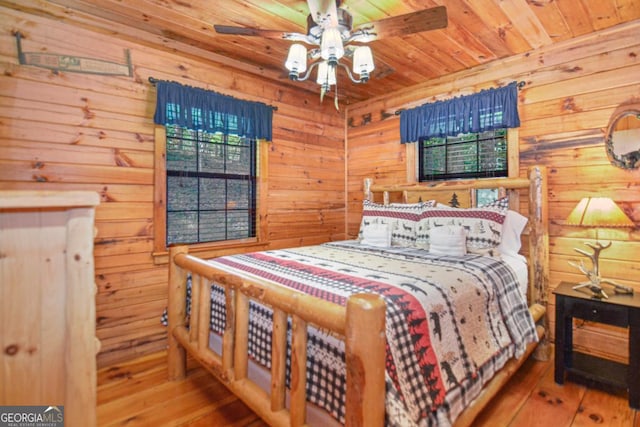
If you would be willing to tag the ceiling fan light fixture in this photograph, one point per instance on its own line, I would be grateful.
(296, 61)
(326, 75)
(363, 62)
(330, 31)
(331, 47)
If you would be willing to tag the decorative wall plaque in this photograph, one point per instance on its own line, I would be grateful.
(74, 64)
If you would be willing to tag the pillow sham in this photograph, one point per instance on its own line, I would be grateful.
(483, 225)
(448, 240)
(512, 228)
(401, 219)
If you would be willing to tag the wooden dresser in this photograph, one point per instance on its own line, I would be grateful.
(47, 302)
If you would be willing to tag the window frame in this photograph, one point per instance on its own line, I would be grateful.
(450, 148)
(513, 158)
(208, 249)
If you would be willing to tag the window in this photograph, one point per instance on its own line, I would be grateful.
(472, 155)
(470, 136)
(211, 186)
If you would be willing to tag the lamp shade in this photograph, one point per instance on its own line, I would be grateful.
(363, 60)
(598, 212)
(331, 47)
(326, 74)
(297, 58)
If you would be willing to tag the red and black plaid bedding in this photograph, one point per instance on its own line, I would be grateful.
(451, 322)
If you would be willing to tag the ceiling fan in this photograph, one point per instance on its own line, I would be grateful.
(330, 29)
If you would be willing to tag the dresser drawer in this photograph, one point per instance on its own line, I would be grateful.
(598, 312)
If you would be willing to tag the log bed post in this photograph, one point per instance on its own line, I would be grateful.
(539, 249)
(367, 189)
(176, 354)
(365, 346)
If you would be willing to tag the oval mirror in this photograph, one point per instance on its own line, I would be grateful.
(623, 137)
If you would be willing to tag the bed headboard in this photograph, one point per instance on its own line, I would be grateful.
(532, 190)
(445, 192)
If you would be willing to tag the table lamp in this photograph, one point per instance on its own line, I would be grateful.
(598, 212)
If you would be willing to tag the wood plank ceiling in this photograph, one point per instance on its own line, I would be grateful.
(478, 31)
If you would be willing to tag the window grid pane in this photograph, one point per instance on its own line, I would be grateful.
(211, 186)
(475, 155)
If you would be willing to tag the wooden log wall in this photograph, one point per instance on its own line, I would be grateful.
(72, 131)
(571, 91)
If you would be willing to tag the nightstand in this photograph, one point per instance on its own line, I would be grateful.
(617, 310)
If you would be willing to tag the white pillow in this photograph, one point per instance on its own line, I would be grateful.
(376, 235)
(448, 240)
(512, 227)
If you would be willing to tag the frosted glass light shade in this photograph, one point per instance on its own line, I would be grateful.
(331, 45)
(363, 60)
(297, 58)
(598, 212)
(326, 74)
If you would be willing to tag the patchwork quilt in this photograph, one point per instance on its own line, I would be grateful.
(451, 322)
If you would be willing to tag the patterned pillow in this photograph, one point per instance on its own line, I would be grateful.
(501, 203)
(483, 225)
(401, 219)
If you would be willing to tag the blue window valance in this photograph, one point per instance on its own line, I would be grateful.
(487, 110)
(201, 109)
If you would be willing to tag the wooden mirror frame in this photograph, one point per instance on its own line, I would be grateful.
(630, 160)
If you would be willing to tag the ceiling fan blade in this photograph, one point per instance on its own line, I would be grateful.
(241, 31)
(324, 12)
(409, 23)
(269, 34)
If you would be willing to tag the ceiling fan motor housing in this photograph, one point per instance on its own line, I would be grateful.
(345, 24)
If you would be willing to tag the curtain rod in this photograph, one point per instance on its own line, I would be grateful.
(520, 85)
(153, 82)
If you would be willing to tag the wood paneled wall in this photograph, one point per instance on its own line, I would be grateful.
(571, 91)
(71, 131)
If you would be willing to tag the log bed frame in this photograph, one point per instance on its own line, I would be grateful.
(361, 322)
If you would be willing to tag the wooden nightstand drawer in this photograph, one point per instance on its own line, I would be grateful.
(597, 312)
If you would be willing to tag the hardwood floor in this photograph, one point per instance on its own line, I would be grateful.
(137, 394)
(532, 398)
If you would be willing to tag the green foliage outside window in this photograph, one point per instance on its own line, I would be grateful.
(211, 186)
(474, 155)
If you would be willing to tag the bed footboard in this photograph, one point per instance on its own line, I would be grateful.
(361, 322)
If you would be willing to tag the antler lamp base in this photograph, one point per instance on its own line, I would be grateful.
(595, 281)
